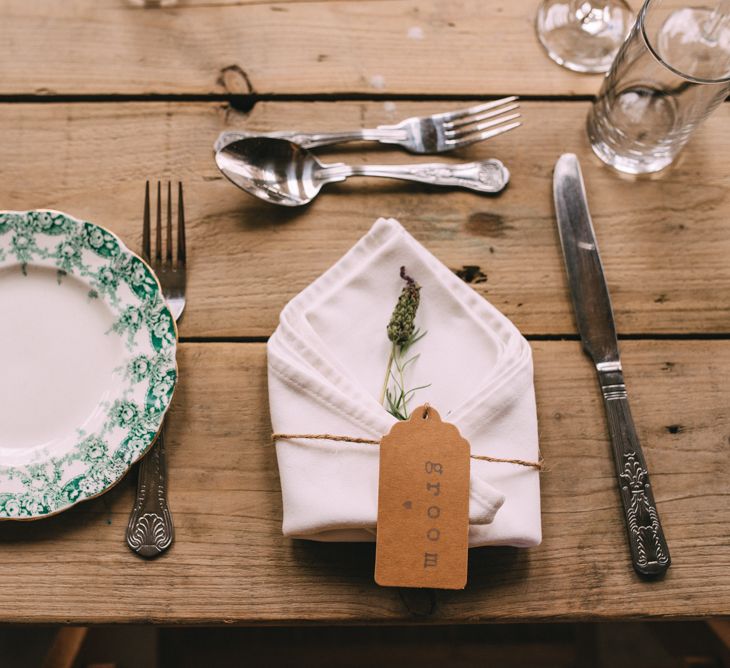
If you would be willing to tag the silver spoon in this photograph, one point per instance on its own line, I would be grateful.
(281, 172)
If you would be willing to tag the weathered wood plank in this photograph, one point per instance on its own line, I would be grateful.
(371, 46)
(665, 243)
(231, 565)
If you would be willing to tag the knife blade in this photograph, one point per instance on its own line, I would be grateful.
(594, 317)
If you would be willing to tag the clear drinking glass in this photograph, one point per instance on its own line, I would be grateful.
(670, 74)
(583, 35)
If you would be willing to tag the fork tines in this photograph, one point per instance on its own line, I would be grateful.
(158, 259)
(480, 122)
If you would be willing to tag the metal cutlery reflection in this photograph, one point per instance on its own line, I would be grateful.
(282, 172)
(594, 315)
(150, 530)
(420, 134)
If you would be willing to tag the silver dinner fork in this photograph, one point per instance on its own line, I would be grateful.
(150, 531)
(421, 134)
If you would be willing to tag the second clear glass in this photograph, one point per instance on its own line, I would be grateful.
(672, 71)
(583, 35)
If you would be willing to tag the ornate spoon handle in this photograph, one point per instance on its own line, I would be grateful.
(150, 531)
(486, 176)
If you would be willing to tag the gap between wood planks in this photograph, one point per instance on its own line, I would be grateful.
(685, 336)
(246, 102)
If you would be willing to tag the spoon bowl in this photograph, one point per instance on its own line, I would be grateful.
(276, 170)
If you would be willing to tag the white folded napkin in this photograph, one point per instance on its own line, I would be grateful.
(327, 362)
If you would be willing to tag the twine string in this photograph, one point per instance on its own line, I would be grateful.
(538, 465)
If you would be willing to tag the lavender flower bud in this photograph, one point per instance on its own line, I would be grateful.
(401, 325)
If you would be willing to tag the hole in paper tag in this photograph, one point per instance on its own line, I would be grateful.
(423, 504)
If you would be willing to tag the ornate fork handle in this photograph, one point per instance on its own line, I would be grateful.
(649, 551)
(487, 176)
(150, 531)
(384, 134)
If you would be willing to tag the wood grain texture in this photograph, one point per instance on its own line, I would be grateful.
(231, 565)
(340, 46)
(665, 243)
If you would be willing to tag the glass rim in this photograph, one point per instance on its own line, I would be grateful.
(642, 24)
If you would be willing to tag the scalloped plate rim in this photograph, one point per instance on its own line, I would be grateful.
(128, 251)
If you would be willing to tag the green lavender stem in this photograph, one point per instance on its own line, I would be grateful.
(387, 373)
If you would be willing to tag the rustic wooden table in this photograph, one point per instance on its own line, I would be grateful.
(96, 96)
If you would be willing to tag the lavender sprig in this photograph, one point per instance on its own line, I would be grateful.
(402, 333)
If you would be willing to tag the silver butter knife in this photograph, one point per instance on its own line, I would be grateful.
(594, 316)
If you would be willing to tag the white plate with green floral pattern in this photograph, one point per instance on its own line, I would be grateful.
(87, 361)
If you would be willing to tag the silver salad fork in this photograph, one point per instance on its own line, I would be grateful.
(421, 134)
(150, 531)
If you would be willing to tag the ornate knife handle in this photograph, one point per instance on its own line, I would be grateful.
(649, 551)
(150, 530)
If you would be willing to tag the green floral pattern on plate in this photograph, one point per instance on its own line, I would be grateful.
(131, 419)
